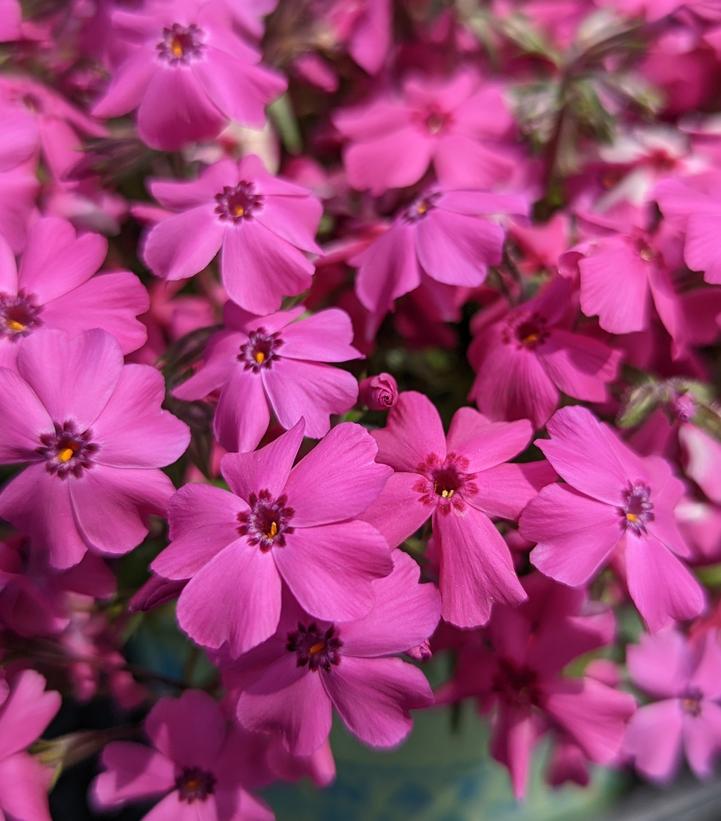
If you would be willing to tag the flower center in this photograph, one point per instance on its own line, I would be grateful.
(19, 314)
(181, 44)
(525, 331)
(317, 649)
(691, 703)
(516, 685)
(194, 784)
(239, 202)
(443, 483)
(267, 522)
(434, 119)
(420, 207)
(260, 351)
(67, 451)
(637, 509)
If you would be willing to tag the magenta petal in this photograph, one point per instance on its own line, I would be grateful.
(292, 218)
(8, 269)
(387, 269)
(505, 490)
(486, 444)
(374, 697)
(338, 479)
(515, 734)
(329, 569)
(53, 362)
(234, 598)
(413, 431)
(476, 568)
(39, 505)
(26, 712)
(127, 86)
(189, 730)
(660, 664)
(264, 469)
(219, 364)
(396, 159)
(24, 785)
(654, 737)
(707, 675)
(133, 431)
(181, 245)
(405, 613)
(398, 512)
(323, 337)
(701, 252)
(23, 419)
(242, 415)
(578, 365)
(111, 505)
(310, 391)
(702, 738)
(575, 535)
(203, 520)
(663, 589)
(133, 772)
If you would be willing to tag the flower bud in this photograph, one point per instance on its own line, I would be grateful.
(378, 392)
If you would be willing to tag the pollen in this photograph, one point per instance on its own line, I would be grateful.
(238, 211)
(66, 454)
(259, 357)
(318, 647)
(422, 207)
(273, 531)
(631, 517)
(176, 48)
(15, 326)
(446, 494)
(531, 339)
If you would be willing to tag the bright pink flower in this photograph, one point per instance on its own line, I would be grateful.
(192, 767)
(54, 287)
(274, 363)
(186, 72)
(261, 225)
(684, 678)
(94, 435)
(444, 235)
(525, 361)
(11, 18)
(26, 709)
(456, 124)
(461, 482)
(693, 203)
(615, 500)
(279, 525)
(518, 669)
(291, 683)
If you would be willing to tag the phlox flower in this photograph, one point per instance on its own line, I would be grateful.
(54, 287)
(683, 677)
(443, 235)
(26, 709)
(191, 768)
(461, 482)
(275, 363)
(186, 72)
(291, 684)
(260, 224)
(278, 525)
(527, 359)
(93, 436)
(614, 502)
(456, 124)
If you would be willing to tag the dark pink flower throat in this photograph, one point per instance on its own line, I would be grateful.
(238, 202)
(194, 784)
(260, 351)
(444, 483)
(266, 524)
(317, 649)
(67, 451)
(181, 44)
(19, 315)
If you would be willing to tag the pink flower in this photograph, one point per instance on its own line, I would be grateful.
(291, 684)
(444, 235)
(456, 124)
(615, 500)
(275, 363)
(684, 678)
(54, 287)
(524, 361)
(693, 204)
(26, 709)
(11, 18)
(517, 668)
(379, 392)
(260, 224)
(460, 482)
(18, 191)
(186, 72)
(192, 766)
(94, 435)
(279, 526)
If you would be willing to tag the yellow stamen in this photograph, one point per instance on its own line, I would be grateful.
(422, 207)
(176, 47)
(531, 339)
(446, 494)
(66, 454)
(238, 211)
(631, 517)
(319, 647)
(14, 325)
(259, 357)
(273, 529)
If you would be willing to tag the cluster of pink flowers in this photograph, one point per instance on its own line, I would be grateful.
(343, 335)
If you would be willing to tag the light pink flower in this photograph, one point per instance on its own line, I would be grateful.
(457, 124)
(527, 359)
(461, 482)
(53, 287)
(186, 72)
(275, 363)
(444, 234)
(278, 526)
(26, 709)
(191, 768)
(291, 683)
(260, 224)
(614, 501)
(684, 678)
(94, 436)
